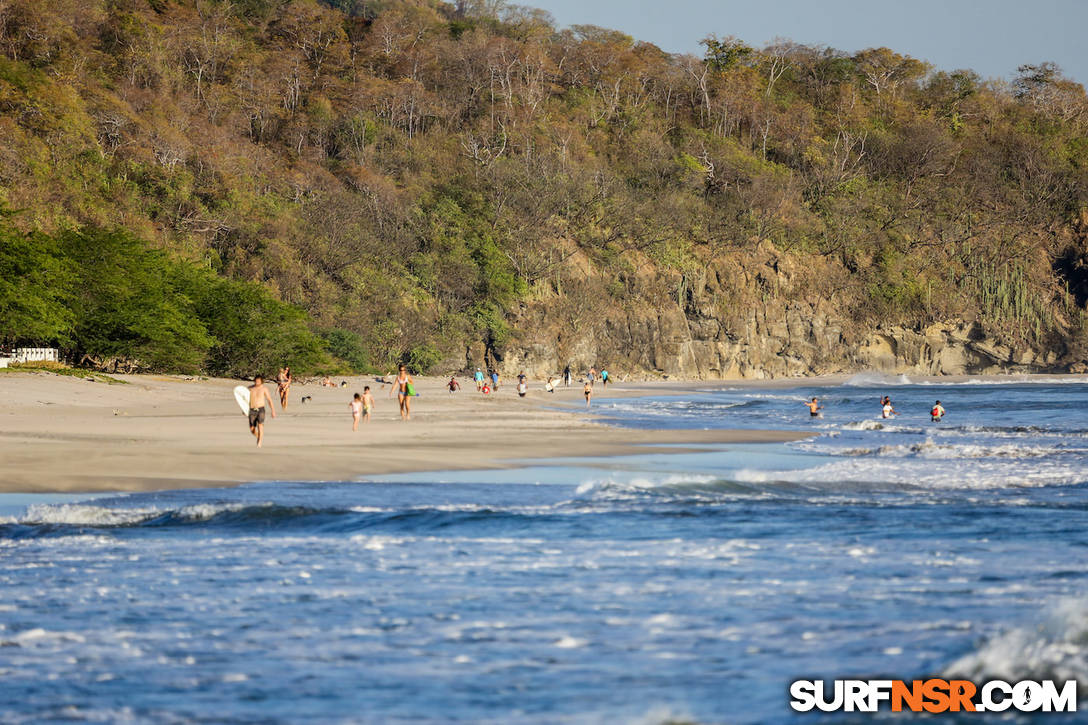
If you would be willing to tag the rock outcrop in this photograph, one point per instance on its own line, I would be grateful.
(748, 326)
(788, 342)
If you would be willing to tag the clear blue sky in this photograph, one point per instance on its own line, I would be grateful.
(991, 37)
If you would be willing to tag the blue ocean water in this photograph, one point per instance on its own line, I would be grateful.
(659, 588)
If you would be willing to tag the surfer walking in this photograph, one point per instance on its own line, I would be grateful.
(405, 387)
(258, 396)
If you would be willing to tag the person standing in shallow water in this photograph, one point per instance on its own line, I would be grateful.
(404, 385)
(937, 413)
(258, 396)
(814, 408)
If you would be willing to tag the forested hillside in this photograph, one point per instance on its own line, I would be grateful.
(367, 182)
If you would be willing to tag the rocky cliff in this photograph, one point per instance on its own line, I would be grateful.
(750, 323)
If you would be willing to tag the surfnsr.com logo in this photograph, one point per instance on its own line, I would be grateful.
(933, 695)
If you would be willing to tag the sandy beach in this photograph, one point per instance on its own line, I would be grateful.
(158, 432)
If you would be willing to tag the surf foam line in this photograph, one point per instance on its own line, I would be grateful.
(921, 474)
(941, 450)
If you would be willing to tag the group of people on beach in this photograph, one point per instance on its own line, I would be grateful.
(886, 409)
(490, 382)
(362, 404)
(262, 404)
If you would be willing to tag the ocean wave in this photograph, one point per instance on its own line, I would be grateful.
(108, 517)
(645, 484)
(888, 425)
(942, 451)
(877, 474)
(52, 520)
(671, 408)
(676, 489)
(1055, 648)
(875, 380)
(1011, 380)
(864, 425)
(687, 489)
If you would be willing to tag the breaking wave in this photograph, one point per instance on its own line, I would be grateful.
(1055, 648)
(67, 519)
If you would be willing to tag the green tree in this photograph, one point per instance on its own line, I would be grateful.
(252, 331)
(128, 313)
(35, 284)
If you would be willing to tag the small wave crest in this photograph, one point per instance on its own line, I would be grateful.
(677, 488)
(875, 380)
(864, 425)
(941, 451)
(889, 474)
(107, 517)
(50, 520)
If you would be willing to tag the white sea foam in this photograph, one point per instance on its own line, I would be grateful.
(923, 474)
(86, 515)
(875, 380)
(865, 425)
(39, 636)
(76, 514)
(1012, 380)
(1054, 648)
(939, 450)
(620, 486)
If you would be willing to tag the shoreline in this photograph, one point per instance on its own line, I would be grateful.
(63, 434)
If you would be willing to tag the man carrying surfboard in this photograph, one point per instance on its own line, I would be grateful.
(258, 396)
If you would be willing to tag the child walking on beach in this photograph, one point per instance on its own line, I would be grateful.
(368, 404)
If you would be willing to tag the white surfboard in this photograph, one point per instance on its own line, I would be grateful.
(241, 396)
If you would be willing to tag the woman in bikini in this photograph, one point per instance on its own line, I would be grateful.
(403, 385)
(283, 381)
(588, 392)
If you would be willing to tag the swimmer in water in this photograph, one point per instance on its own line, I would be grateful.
(888, 411)
(814, 408)
(937, 413)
